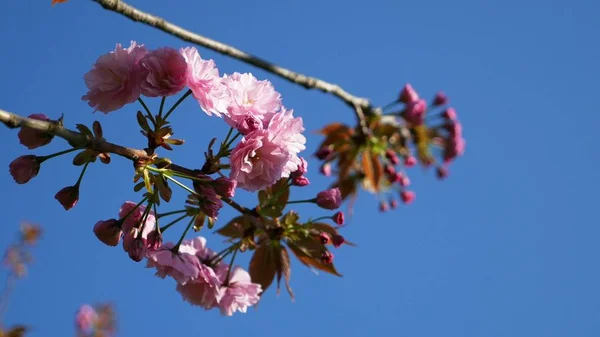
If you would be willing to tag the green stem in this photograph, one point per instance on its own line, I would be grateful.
(156, 217)
(144, 105)
(230, 266)
(301, 201)
(180, 184)
(81, 174)
(227, 138)
(165, 227)
(232, 140)
(187, 93)
(162, 105)
(171, 213)
(133, 209)
(390, 104)
(41, 159)
(176, 248)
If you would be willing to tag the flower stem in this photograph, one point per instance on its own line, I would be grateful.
(390, 105)
(41, 159)
(165, 227)
(301, 201)
(187, 93)
(180, 184)
(144, 105)
(81, 174)
(156, 217)
(230, 266)
(171, 213)
(162, 105)
(232, 140)
(133, 209)
(176, 248)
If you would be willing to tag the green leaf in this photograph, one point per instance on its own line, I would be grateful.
(83, 157)
(290, 218)
(142, 121)
(273, 199)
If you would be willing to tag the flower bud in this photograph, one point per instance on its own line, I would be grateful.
(449, 113)
(327, 257)
(338, 240)
(393, 203)
(249, 124)
(225, 187)
(128, 238)
(108, 232)
(302, 168)
(441, 172)
(408, 94)
(390, 171)
(392, 157)
(326, 169)
(137, 250)
(383, 207)
(323, 152)
(410, 161)
(210, 203)
(329, 199)
(407, 196)
(32, 138)
(415, 112)
(68, 197)
(338, 218)
(155, 240)
(24, 168)
(440, 99)
(300, 181)
(404, 181)
(324, 238)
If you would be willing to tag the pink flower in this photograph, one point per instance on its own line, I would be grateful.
(250, 96)
(324, 238)
(33, 138)
(440, 99)
(300, 181)
(288, 131)
(329, 199)
(181, 266)
(108, 232)
(225, 187)
(450, 114)
(408, 94)
(414, 113)
(259, 160)
(115, 78)
(204, 81)
(407, 196)
(393, 204)
(85, 318)
(239, 292)
(383, 206)
(135, 217)
(410, 161)
(164, 72)
(24, 168)
(68, 197)
(338, 218)
(325, 169)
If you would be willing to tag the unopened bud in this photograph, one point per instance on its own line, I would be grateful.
(338, 240)
(323, 152)
(408, 94)
(326, 169)
(327, 257)
(440, 99)
(338, 218)
(300, 181)
(329, 199)
(68, 197)
(324, 238)
(407, 196)
(441, 172)
(392, 157)
(410, 161)
(108, 232)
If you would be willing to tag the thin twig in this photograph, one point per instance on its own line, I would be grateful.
(189, 36)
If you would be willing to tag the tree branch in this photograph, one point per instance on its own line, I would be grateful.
(360, 105)
(77, 139)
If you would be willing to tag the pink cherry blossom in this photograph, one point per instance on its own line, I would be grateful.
(24, 168)
(181, 265)
(239, 292)
(204, 81)
(164, 72)
(288, 131)
(32, 138)
(250, 97)
(259, 160)
(415, 112)
(85, 318)
(408, 94)
(135, 217)
(115, 78)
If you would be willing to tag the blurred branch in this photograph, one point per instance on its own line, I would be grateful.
(361, 106)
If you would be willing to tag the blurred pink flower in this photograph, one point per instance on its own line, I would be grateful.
(440, 99)
(204, 81)
(259, 160)
(239, 292)
(85, 318)
(115, 78)
(408, 94)
(414, 113)
(164, 72)
(407, 196)
(32, 138)
(24, 168)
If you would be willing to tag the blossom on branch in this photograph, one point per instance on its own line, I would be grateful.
(164, 72)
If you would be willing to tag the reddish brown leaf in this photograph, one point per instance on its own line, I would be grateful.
(284, 267)
(97, 129)
(104, 157)
(372, 169)
(237, 227)
(274, 198)
(323, 227)
(262, 265)
(54, 2)
(309, 252)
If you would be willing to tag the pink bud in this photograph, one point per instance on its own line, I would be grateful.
(404, 181)
(338, 218)
(329, 199)
(300, 181)
(68, 197)
(323, 152)
(324, 238)
(383, 206)
(137, 250)
(414, 113)
(440, 99)
(407, 196)
(389, 170)
(410, 161)
(338, 240)
(108, 232)
(327, 257)
(249, 124)
(392, 157)
(128, 238)
(32, 138)
(393, 203)
(24, 168)
(326, 169)
(449, 113)
(155, 240)
(225, 187)
(408, 94)
(210, 203)
(302, 168)
(441, 172)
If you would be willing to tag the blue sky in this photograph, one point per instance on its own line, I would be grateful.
(507, 246)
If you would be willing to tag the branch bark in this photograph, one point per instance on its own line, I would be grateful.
(361, 106)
